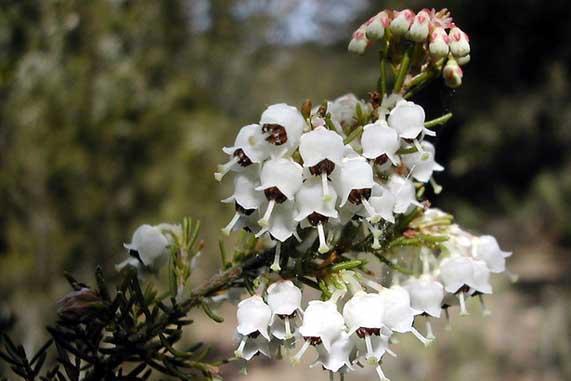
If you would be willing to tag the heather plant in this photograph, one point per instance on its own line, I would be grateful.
(320, 194)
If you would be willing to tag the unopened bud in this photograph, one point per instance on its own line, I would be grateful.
(459, 42)
(402, 22)
(359, 42)
(306, 108)
(77, 304)
(419, 29)
(452, 73)
(375, 27)
(463, 60)
(438, 43)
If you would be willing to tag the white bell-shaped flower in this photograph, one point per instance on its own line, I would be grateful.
(380, 346)
(322, 324)
(150, 244)
(486, 248)
(284, 299)
(245, 197)
(399, 315)
(407, 118)
(280, 180)
(420, 27)
(458, 42)
(281, 226)
(456, 272)
(426, 295)
(317, 210)
(321, 150)
(337, 357)
(355, 182)
(342, 111)
(249, 147)
(283, 125)
(380, 143)
(383, 203)
(253, 320)
(363, 315)
(421, 163)
(404, 192)
(402, 22)
(463, 275)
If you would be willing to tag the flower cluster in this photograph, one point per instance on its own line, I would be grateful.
(356, 325)
(437, 37)
(293, 172)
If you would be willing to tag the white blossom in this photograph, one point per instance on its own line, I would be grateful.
(150, 244)
(284, 299)
(282, 125)
(253, 321)
(422, 164)
(487, 249)
(380, 142)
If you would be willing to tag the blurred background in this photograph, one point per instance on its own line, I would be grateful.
(113, 113)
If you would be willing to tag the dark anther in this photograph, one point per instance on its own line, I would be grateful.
(324, 166)
(357, 195)
(243, 211)
(381, 159)
(362, 332)
(315, 218)
(253, 335)
(375, 98)
(291, 316)
(273, 193)
(278, 134)
(313, 340)
(243, 160)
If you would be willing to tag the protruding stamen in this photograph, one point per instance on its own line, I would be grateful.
(448, 320)
(295, 359)
(371, 359)
(382, 376)
(228, 228)
(435, 186)
(261, 232)
(297, 237)
(239, 352)
(376, 233)
(421, 338)
(390, 352)
(325, 185)
(513, 277)
(323, 248)
(429, 332)
(225, 168)
(265, 220)
(420, 150)
(461, 299)
(485, 310)
(331, 376)
(276, 265)
(373, 216)
(288, 334)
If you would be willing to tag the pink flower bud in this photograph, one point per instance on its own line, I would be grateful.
(402, 22)
(452, 73)
(375, 27)
(359, 42)
(459, 42)
(438, 43)
(419, 29)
